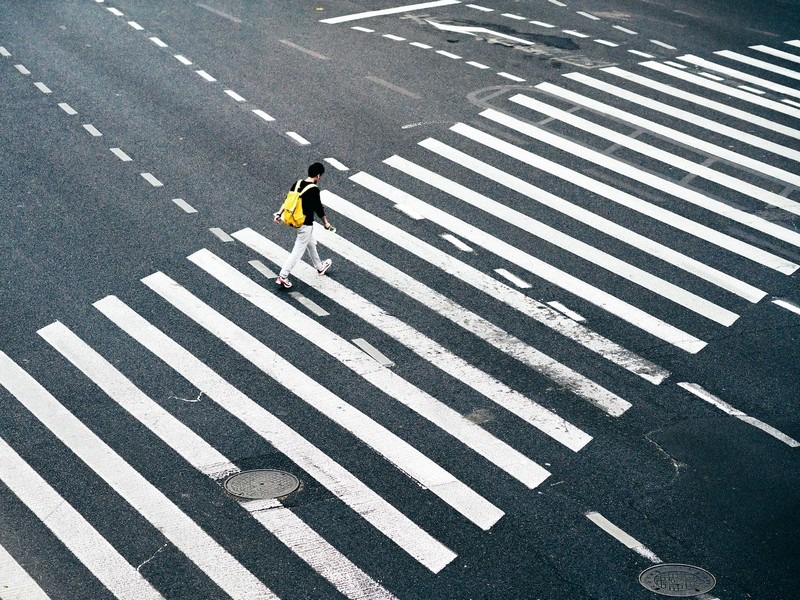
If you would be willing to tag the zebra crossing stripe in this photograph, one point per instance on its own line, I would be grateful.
(483, 329)
(167, 518)
(759, 64)
(778, 53)
(428, 473)
(705, 102)
(652, 152)
(698, 121)
(428, 349)
(290, 530)
(740, 75)
(66, 523)
(721, 88)
(390, 446)
(592, 220)
(340, 482)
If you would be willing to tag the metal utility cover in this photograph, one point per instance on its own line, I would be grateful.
(676, 580)
(261, 484)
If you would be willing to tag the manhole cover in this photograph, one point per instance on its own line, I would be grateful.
(678, 581)
(260, 484)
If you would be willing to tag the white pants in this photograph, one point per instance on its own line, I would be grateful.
(304, 241)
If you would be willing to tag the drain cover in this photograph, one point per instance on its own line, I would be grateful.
(678, 581)
(260, 484)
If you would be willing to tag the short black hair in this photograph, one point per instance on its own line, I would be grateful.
(316, 169)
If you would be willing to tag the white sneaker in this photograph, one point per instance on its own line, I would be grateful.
(326, 264)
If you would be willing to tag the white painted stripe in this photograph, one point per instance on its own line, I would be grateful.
(712, 76)
(257, 264)
(577, 34)
(421, 45)
(426, 348)
(740, 75)
(698, 121)
(750, 89)
(622, 537)
(234, 95)
(341, 483)
(336, 164)
(759, 64)
(135, 25)
(201, 455)
(511, 77)
(220, 13)
(16, 583)
(440, 482)
(158, 42)
(541, 269)
(624, 30)
(791, 102)
(520, 283)
(409, 212)
(43, 88)
(396, 38)
(4, 51)
(570, 313)
(92, 129)
(795, 43)
(67, 108)
(153, 505)
(587, 15)
(721, 208)
(221, 234)
(787, 305)
(557, 2)
(115, 11)
(184, 205)
(448, 54)
(298, 138)
(364, 29)
(540, 24)
(481, 8)
(183, 59)
(722, 89)
(120, 154)
(310, 304)
(478, 65)
(151, 179)
(205, 75)
(670, 63)
(663, 45)
(456, 242)
(66, 524)
(775, 52)
(640, 53)
(735, 412)
(607, 43)
(492, 334)
(512, 16)
(389, 11)
(263, 115)
(373, 352)
(395, 450)
(652, 152)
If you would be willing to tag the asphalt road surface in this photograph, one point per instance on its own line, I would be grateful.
(558, 344)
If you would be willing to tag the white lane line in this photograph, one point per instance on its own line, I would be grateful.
(151, 179)
(723, 89)
(304, 50)
(17, 584)
(671, 63)
(541, 24)
(373, 352)
(663, 45)
(92, 130)
(298, 138)
(791, 102)
(412, 462)
(191, 447)
(115, 11)
(518, 282)
(448, 54)
(335, 164)
(219, 13)
(698, 121)
(310, 304)
(483, 329)
(587, 15)
(340, 482)
(624, 30)
(184, 205)
(759, 64)
(205, 75)
(391, 86)
(740, 75)
(712, 76)
(257, 264)
(607, 43)
(513, 16)
(364, 29)
(421, 45)
(511, 77)
(263, 115)
(775, 52)
(772, 229)
(728, 282)
(4, 51)
(396, 38)
(389, 11)
(456, 242)
(67, 108)
(640, 53)
(234, 95)
(788, 305)
(146, 499)
(43, 88)
(182, 59)
(626, 540)
(66, 524)
(219, 233)
(22, 69)
(570, 313)
(408, 211)
(426, 348)
(577, 34)
(477, 65)
(120, 154)
(158, 42)
(557, 2)
(135, 25)
(751, 90)
(735, 412)
(480, 8)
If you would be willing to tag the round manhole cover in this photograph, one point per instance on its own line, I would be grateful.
(678, 581)
(260, 484)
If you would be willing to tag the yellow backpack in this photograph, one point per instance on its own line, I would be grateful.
(292, 208)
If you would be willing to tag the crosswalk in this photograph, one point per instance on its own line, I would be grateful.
(680, 250)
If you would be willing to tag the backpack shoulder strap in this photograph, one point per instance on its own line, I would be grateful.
(308, 187)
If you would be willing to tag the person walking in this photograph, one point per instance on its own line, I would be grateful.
(304, 240)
